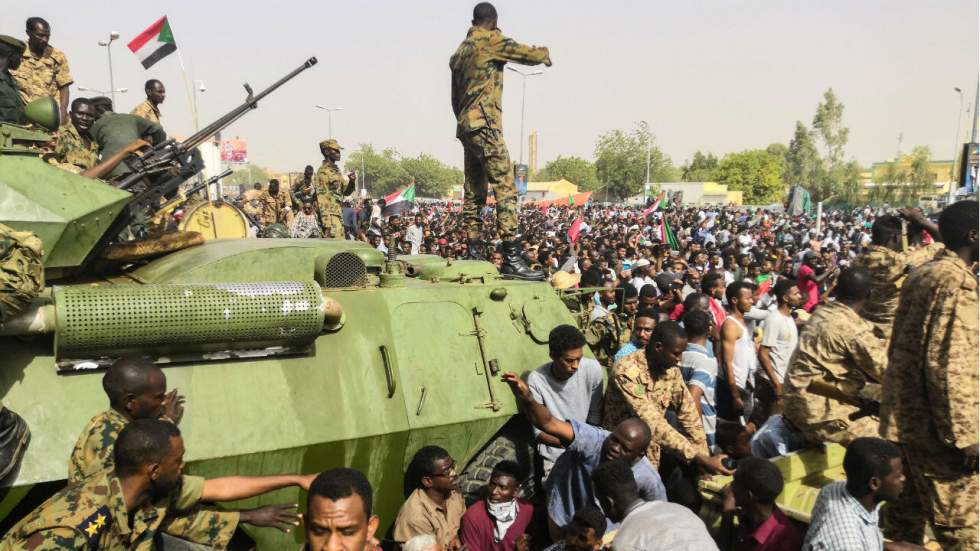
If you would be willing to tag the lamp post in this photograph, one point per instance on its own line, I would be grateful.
(108, 48)
(329, 111)
(104, 92)
(523, 97)
(199, 86)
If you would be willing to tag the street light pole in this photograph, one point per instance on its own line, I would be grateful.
(956, 143)
(523, 97)
(103, 92)
(329, 111)
(108, 48)
(199, 86)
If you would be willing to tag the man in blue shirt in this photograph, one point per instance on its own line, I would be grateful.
(569, 485)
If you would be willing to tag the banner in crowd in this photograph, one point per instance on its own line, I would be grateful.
(576, 200)
(401, 201)
(234, 150)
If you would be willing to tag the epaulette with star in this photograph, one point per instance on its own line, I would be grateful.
(96, 524)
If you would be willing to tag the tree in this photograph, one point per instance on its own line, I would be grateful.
(828, 122)
(702, 168)
(574, 169)
(621, 162)
(383, 173)
(755, 172)
(247, 175)
(432, 177)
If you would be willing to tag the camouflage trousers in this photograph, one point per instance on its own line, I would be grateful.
(486, 161)
(948, 500)
(21, 270)
(331, 218)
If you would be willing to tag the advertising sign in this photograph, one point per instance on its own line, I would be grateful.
(234, 150)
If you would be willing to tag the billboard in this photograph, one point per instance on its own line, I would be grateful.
(234, 150)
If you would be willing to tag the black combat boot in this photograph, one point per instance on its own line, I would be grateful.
(475, 249)
(14, 436)
(514, 265)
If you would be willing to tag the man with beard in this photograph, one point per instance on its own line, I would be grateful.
(126, 507)
(643, 325)
(44, 71)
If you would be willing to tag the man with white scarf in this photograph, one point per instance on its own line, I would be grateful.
(498, 521)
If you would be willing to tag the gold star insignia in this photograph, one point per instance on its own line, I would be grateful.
(91, 529)
(100, 521)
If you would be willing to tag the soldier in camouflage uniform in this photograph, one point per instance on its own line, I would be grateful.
(11, 102)
(477, 86)
(605, 328)
(889, 262)
(149, 109)
(73, 145)
(44, 69)
(96, 514)
(331, 190)
(930, 397)
(274, 206)
(839, 348)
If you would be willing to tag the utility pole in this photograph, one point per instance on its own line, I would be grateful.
(523, 97)
(108, 48)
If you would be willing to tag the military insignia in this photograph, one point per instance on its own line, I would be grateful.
(633, 372)
(96, 524)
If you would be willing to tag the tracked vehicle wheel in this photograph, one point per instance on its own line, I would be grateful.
(514, 442)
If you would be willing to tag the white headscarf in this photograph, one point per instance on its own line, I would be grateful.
(503, 515)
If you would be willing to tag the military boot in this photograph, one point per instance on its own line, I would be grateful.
(514, 265)
(14, 436)
(475, 249)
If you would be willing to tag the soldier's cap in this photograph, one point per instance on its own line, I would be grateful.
(9, 45)
(330, 144)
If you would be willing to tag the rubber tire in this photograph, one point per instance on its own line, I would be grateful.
(512, 443)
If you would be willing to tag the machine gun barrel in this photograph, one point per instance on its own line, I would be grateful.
(187, 195)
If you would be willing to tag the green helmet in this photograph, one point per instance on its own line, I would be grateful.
(275, 231)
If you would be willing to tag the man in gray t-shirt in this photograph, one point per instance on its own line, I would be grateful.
(570, 386)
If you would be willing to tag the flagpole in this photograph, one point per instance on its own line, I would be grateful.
(187, 89)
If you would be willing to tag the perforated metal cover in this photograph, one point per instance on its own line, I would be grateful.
(148, 319)
(344, 270)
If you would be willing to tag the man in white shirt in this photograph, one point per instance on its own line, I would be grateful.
(779, 339)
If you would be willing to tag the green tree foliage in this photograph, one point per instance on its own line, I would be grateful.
(828, 122)
(621, 162)
(804, 166)
(756, 172)
(904, 181)
(574, 169)
(701, 168)
(387, 171)
(247, 175)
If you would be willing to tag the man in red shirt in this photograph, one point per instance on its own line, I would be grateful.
(761, 525)
(498, 522)
(808, 281)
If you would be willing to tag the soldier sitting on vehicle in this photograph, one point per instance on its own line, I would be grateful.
(75, 150)
(126, 507)
(114, 132)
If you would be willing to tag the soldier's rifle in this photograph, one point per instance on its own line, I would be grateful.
(159, 171)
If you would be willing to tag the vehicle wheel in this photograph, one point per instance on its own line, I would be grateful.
(511, 443)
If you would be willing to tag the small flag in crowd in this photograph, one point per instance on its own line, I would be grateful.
(154, 44)
(575, 230)
(400, 201)
(667, 235)
(656, 204)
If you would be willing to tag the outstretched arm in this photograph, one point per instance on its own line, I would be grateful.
(539, 415)
(232, 488)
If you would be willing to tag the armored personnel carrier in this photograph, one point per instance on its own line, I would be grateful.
(294, 355)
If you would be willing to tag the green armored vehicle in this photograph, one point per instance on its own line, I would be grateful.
(294, 355)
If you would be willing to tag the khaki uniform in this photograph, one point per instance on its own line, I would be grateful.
(43, 76)
(93, 455)
(477, 85)
(21, 270)
(93, 515)
(330, 192)
(274, 209)
(72, 148)
(930, 400)
(633, 392)
(147, 110)
(888, 270)
(839, 348)
(604, 336)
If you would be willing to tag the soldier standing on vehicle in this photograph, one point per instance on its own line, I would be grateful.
(331, 190)
(150, 108)
(11, 103)
(44, 70)
(305, 189)
(929, 397)
(477, 86)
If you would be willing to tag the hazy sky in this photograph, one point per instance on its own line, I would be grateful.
(717, 76)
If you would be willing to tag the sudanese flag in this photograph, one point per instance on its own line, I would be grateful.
(154, 44)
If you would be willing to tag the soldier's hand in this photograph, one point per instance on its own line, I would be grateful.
(284, 517)
(517, 386)
(971, 457)
(173, 406)
(713, 464)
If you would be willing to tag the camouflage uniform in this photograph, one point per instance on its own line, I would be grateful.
(584, 315)
(74, 149)
(604, 334)
(930, 400)
(21, 270)
(888, 269)
(93, 455)
(633, 392)
(273, 209)
(839, 348)
(330, 191)
(11, 104)
(147, 110)
(93, 515)
(44, 76)
(477, 86)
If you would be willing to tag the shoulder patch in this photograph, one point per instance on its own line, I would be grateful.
(96, 524)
